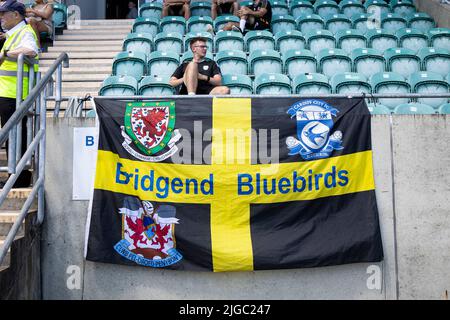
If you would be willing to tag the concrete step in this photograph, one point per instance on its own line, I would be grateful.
(7, 261)
(115, 48)
(103, 31)
(84, 37)
(90, 44)
(106, 22)
(85, 63)
(85, 77)
(102, 27)
(82, 71)
(16, 199)
(72, 88)
(79, 55)
(7, 220)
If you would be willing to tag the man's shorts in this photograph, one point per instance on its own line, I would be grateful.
(225, 8)
(176, 10)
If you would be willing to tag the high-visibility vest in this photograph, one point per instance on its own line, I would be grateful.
(8, 69)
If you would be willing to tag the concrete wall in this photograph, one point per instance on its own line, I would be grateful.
(413, 206)
(90, 9)
(440, 12)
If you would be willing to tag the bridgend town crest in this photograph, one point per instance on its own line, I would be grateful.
(150, 127)
(314, 125)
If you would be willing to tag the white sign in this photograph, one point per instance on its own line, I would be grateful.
(85, 143)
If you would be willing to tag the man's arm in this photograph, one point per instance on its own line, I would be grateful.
(175, 82)
(174, 2)
(26, 51)
(216, 80)
(260, 13)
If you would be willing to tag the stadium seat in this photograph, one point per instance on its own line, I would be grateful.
(412, 39)
(91, 114)
(221, 21)
(229, 40)
(435, 60)
(199, 24)
(351, 7)
(138, 42)
(238, 84)
(350, 83)
(169, 42)
(299, 7)
(162, 63)
(320, 39)
(368, 61)
(333, 61)
(337, 22)
(208, 36)
(444, 109)
(348, 40)
(232, 61)
(146, 25)
(365, 22)
(119, 86)
(279, 8)
(188, 56)
(381, 40)
(393, 22)
(311, 83)
(309, 22)
(429, 82)
(173, 24)
(264, 61)
(289, 40)
(391, 83)
(282, 23)
(325, 8)
(421, 21)
(200, 8)
(130, 64)
(272, 83)
(297, 62)
(403, 8)
(59, 16)
(401, 60)
(414, 108)
(259, 40)
(376, 108)
(155, 86)
(439, 38)
(377, 7)
(150, 10)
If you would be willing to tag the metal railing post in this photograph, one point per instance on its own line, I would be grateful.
(37, 116)
(19, 95)
(58, 91)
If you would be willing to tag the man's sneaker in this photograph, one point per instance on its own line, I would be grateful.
(234, 28)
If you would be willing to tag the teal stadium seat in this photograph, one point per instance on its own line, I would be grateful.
(393, 22)
(439, 38)
(421, 21)
(232, 61)
(238, 84)
(173, 25)
(320, 39)
(264, 61)
(229, 40)
(377, 109)
(119, 86)
(299, 7)
(414, 108)
(289, 40)
(138, 42)
(279, 8)
(403, 8)
(429, 82)
(337, 22)
(412, 39)
(188, 56)
(59, 17)
(377, 7)
(273, 83)
(199, 24)
(91, 114)
(444, 109)
(326, 7)
(403, 61)
(368, 61)
(162, 63)
(206, 35)
(365, 22)
(435, 60)
(391, 83)
(350, 83)
(151, 10)
(200, 8)
(169, 42)
(155, 86)
(351, 7)
(130, 64)
(221, 21)
(333, 61)
(311, 83)
(282, 23)
(309, 22)
(381, 40)
(146, 25)
(298, 62)
(259, 40)
(350, 39)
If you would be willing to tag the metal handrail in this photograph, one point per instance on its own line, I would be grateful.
(36, 145)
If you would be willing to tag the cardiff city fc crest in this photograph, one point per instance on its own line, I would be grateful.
(148, 233)
(314, 126)
(150, 127)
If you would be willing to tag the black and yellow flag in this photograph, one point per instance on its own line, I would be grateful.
(234, 184)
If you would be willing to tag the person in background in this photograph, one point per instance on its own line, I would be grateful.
(220, 7)
(39, 16)
(133, 13)
(176, 8)
(255, 17)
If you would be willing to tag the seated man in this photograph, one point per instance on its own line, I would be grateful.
(200, 76)
(220, 7)
(176, 8)
(256, 17)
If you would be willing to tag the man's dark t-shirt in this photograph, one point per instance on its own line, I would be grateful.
(263, 22)
(206, 67)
